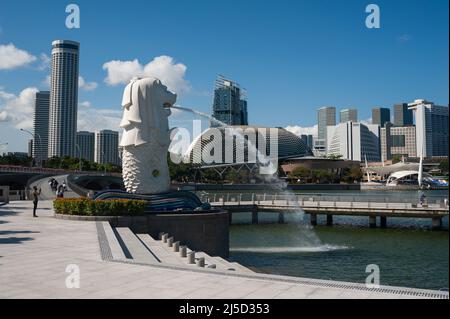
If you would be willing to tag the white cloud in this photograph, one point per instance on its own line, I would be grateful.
(87, 86)
(45, 62)
(18, 109)
(299, 130)
(12, 57)
(86, 104)
(92, 119)
(162, 67)
(405, 38)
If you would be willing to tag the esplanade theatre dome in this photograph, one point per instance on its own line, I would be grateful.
(236, 145)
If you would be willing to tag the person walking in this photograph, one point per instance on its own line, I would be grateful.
(35, 194)
(60, 192)
(421, 198)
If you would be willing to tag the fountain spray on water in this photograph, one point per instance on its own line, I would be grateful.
(307, 240)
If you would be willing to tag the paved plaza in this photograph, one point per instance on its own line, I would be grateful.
(35, 252)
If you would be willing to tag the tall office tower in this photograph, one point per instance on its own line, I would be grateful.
(348, 115)
(403, 116)
(230, 104)
(431, 128)
(381, 116)
(63, 98)
(40, 126)
(85, 145)
(30, 148)
(107, 147)
(308, 140)
(398, 140)
(354, 141)
(326, 116)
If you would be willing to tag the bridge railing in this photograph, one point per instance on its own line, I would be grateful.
(258, 198)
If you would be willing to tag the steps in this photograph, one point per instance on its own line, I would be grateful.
(137, 250)
(125, 245)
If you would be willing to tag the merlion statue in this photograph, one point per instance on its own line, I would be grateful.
(145, 140)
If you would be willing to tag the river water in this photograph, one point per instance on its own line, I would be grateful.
(408, 253)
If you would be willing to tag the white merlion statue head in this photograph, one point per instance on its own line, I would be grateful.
(146, 138)
(146, 105)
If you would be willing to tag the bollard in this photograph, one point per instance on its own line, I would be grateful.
(170, 241)
(160, 235)
(191, 257)
(200, 262)
(176, 246)
(164, 237)
(183, 251)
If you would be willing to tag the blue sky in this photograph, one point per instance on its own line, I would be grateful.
(291, 56)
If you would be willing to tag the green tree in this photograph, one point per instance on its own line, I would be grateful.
(353, 174)
(301, 172)
(396, 158)
(443, 166)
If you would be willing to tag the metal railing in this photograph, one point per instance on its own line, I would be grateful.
(267, 198)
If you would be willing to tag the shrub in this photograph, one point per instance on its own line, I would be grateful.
(89, 207)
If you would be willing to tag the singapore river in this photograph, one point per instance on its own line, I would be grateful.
(408, 253)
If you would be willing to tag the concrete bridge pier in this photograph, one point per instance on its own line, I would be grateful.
(255, 216)
(329, 220)
(313, 218)
(280, 218)
(383, 221)
(373, 221)
(436, 223)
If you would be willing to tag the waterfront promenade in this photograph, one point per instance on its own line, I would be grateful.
(34, 254)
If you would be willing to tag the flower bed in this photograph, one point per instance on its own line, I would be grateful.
(88, 207)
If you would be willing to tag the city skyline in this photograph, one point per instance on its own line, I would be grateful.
(102, 70)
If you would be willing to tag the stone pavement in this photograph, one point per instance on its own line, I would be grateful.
(34, 254)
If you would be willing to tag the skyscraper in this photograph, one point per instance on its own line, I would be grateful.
(86, 145)
(348, 115)
(107, 147)
(380, 116)
(354, 141)
(398, 140)
(63, 98)
(308, 140)
(230, 104)
(326, 116)
(41, 125)
(403, 116)
(431, 128)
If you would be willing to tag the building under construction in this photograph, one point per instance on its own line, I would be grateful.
(230, 103)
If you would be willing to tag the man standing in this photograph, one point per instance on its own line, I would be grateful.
(36, 194)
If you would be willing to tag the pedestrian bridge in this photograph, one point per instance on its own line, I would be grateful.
(380, 207)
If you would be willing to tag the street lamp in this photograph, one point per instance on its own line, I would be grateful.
(40, 144)
(79, 155)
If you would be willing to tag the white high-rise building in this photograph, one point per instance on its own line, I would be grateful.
(354, 141)
(86, 145)
(40, 126)
(346, 115)
(431, 128)
(63, 98)
(107, 147)
(326, 116)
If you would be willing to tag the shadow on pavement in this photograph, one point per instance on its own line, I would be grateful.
(15, 232)
(14, 240)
